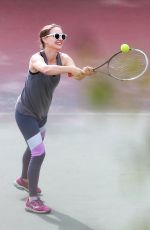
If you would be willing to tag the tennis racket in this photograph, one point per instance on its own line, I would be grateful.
(125, 66)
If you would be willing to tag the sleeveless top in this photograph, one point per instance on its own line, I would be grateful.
(37, 93)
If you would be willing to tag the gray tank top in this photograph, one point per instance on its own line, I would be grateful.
(37, 93)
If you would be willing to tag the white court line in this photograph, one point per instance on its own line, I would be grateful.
(88, 114)
(99, 114)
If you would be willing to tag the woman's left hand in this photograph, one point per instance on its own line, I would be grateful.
(88, 70)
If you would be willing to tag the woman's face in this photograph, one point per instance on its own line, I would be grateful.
(55, 39)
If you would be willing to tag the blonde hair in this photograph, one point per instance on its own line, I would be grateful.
(45, 31)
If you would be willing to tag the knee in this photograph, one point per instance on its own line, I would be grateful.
(36, 145)
(38, 150)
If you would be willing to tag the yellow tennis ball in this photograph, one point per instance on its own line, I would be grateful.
(125, 48)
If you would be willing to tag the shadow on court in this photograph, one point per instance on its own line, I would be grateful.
(64, 222)
(60, 220)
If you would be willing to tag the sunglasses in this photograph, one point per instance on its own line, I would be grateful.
(58, 36)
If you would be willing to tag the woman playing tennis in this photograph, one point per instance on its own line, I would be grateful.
(45, 68)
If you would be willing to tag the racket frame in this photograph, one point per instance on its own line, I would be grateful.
(123, 79)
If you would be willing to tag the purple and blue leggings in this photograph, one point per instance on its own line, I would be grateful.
(33, 131)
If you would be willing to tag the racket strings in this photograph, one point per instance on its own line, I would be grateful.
(127, 65)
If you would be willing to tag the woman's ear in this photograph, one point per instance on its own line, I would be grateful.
(44, 39)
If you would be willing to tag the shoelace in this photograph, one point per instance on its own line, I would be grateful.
(38, 202)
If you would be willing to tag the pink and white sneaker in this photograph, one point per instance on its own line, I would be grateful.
(37, 206)
(23, 185)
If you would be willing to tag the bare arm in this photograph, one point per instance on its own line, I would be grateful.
(86, 71)
(37, 63)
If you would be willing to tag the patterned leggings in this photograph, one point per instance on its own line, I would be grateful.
(33, 131)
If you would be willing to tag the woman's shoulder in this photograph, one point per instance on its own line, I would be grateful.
(64, 55)
(36, 55)
(65, 58)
